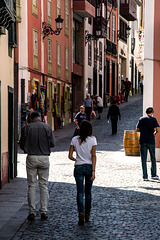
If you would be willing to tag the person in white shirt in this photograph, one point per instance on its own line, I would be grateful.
(99, 106)
(85, 164)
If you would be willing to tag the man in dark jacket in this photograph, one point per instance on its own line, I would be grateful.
(148, 127)
(113, 114)
(127, 85)
(36, 140)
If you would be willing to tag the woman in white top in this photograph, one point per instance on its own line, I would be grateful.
(85, 164)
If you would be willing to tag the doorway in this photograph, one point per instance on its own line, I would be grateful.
(10, 134)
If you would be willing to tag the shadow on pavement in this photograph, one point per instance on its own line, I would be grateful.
(116, 214)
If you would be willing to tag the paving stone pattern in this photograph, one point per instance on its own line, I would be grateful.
(124, 207)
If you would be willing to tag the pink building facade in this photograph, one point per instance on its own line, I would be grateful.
(152, 62)
(45, 62)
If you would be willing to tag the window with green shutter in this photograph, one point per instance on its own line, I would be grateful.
(49, 12)
(58, 59)
(67, 63)
(67, 17)
(35, 49)
(49, 56)
(35, 8)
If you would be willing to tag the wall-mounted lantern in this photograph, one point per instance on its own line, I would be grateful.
(47, 30)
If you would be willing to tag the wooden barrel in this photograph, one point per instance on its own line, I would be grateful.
(131, 143)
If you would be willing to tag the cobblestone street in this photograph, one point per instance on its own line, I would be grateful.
(124, 206)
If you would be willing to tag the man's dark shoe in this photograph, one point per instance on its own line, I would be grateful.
(81, 219)
(87, 217)
(44, 216)
(31, 216)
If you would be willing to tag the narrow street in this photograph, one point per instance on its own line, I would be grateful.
(124, 206)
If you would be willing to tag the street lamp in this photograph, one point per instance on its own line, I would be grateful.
(89, 36)
(47, 30)
(127, 33)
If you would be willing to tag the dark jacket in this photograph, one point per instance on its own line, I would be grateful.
(37, 138)
(113, 111)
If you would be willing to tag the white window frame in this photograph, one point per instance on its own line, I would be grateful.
(113, 28)
(58, 7)
(35, 42)
(49, 50)
(49, 8)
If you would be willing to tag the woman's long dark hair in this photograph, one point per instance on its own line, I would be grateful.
(85, 130)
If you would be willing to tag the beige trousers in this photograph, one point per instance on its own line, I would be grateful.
(37, 166)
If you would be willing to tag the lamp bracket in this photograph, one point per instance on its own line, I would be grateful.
(47, 30)
(89, 37)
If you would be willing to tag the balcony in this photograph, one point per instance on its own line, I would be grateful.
(128, 9)
(114, 49)
(7, 12)
(100, 22)
(109, 46)
(77, 69)
(84, 8)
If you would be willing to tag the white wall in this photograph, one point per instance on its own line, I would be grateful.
(23, 56)
(148, 54)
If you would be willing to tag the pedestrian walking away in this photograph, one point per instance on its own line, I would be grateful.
(80, 116)
(99, 106)
(85, 166)
(88, 104)
(141, 84)
(127, 85)
(113, 114)
(37, 140)
(148, 127)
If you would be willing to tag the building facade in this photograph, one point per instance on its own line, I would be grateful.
(111, 54)
(127, 31)
(8, 80)
(45, 61)
(151, 95)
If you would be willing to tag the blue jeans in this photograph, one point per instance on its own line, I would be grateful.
(143, 149)
(82, 172)
(126, 95)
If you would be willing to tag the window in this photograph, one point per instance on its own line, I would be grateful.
(67, 57)
(90, 20)
(58, 60)
(95, 54)
(123, 27)
(49, 50)
(35, 49)
(59, 54)
(49, 12)
(100, 56)
(35, 7)
(108, 25)
(35, 43)
(74, 42)
(58, 7)
(35, 3)
(90, 53)
(49, 8)
(49, 56)
(67, 17)
(66, 63)
(113, 28)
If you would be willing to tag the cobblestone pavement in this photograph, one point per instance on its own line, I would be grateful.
(124, 206)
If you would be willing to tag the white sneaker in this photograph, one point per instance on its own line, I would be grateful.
(155, 178)
(145, 179)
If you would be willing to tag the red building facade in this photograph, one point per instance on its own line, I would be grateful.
(47, 84)
(110, 57)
